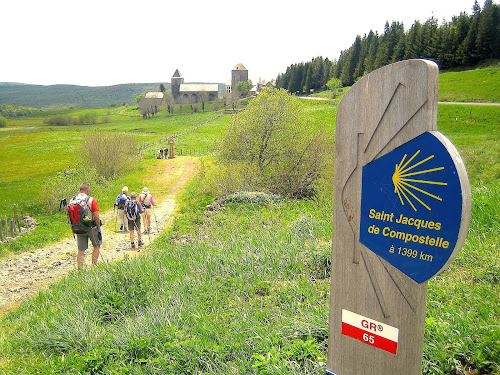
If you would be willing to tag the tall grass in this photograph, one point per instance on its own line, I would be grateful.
(243, 291)
(246, 290)
(240, 295)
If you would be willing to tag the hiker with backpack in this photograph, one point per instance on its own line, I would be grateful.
(120, 202)
(83, 215)
(147, 202)
(133, 210)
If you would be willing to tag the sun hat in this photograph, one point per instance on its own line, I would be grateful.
(125, 189)
(145, 190)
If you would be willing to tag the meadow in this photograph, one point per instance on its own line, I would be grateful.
(247, 290)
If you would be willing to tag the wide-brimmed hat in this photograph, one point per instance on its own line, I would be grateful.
(125, 189)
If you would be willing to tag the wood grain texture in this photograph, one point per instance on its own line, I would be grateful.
(382, 111)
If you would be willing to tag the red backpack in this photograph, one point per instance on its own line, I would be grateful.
(79, 214)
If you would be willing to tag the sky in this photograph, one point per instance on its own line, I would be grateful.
(109, 42)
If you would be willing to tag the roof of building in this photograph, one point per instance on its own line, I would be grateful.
(239, 67)
(191, 87)
(177, 74)
(154, 95)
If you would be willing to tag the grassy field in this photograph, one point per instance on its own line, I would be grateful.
(247, 290)
(475, 86)
(34, 157)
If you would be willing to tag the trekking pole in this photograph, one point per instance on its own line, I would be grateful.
(100, 253)
(138, 234)
(156, 221)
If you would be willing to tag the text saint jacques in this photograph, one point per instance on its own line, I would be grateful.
(418, 223)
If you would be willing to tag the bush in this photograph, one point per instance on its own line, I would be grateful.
(3, 122)
(109, 153)
(60, 120)
(272, 147)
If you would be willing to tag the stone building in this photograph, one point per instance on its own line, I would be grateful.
(238, 74)
(192, 92)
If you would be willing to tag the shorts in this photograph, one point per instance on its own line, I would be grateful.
(82, 240)
(135, 224)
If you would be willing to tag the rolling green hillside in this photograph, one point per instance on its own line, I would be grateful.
(64, 96)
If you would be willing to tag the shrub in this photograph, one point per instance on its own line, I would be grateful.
(60, 120)
(109, 153)
(3, 122)
(272, 147)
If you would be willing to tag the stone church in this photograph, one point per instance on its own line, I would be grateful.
(193, 92)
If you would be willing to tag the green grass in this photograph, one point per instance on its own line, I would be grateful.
(34, 156)
(475, 131)
(230, 303)
(244, 291)
(247, 290)
(476, 86)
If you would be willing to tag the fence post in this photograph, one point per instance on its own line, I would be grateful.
(16, 218)
(1, 231)
(12, 227)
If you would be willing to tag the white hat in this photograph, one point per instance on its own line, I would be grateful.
(145, 190)
(125, 189)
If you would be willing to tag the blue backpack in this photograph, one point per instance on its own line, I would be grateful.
(131, 210)
(121, 200)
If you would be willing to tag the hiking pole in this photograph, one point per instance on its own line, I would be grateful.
(116, 218)
(156, 221)
(64, 203)
(100, 253)
(139, 234)
(100, 243)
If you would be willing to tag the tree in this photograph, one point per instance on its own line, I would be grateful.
(487, 36)
(203, 98)
(169, 101)
(272, 147)
(162, 87)
(244, 87)
(232, 99)
(334, 84)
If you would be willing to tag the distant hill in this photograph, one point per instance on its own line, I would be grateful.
(65, 96)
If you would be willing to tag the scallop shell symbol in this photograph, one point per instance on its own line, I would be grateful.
(407, 187)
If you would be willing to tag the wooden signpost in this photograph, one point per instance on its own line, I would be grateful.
(171, 143)
(402, 211)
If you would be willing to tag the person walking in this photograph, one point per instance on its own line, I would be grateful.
(83, 214)
(147, 202)
(120, 202)
(133, 210)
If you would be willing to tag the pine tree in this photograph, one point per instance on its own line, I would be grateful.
(487, 31)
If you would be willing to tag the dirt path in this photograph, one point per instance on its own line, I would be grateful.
(24, 275)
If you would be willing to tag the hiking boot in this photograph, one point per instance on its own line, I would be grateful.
(140, 243)
(121, 227)
(132, 245)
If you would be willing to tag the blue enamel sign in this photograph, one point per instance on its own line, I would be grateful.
(411, 207)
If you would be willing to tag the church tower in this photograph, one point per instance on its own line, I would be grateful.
(238, 74)
(176, 81)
